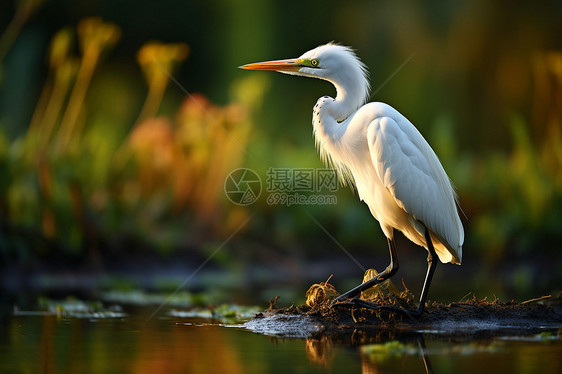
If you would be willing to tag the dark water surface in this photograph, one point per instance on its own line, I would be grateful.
(135, 343)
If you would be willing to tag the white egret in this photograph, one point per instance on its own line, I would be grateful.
(395, 171)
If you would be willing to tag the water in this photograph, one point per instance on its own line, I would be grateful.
(34, 342)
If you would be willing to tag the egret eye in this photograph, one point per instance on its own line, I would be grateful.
(314, 62)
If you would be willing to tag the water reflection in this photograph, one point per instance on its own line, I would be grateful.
(54, 345)
(321, 351)
(424, 354)
(166, 344)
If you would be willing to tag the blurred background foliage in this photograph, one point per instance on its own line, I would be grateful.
(120, 120)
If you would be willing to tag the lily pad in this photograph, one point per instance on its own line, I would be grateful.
(226, 313)
(74, 308)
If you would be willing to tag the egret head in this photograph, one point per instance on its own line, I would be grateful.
(332, 62)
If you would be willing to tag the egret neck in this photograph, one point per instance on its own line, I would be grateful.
(331, 117)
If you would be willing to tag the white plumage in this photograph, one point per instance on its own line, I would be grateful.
(373, 146)
(393, 167)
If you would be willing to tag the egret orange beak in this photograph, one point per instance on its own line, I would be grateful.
(278, 65)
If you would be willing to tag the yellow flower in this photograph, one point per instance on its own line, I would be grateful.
(94, 33)
(60, 46)
(155, 56)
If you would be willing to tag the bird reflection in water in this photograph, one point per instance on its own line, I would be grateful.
(321, 351)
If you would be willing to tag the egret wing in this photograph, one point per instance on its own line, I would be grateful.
(412, 173)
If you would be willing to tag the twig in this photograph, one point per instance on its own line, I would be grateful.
(465, 296)
(537, 299)
(273, 304)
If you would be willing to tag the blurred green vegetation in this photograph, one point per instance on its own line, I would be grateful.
(105, 139)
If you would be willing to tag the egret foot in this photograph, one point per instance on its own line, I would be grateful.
(413, 314)
(349, 298)
(391, 269)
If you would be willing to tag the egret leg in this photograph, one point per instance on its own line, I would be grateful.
(381, 277)
(431, 265)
